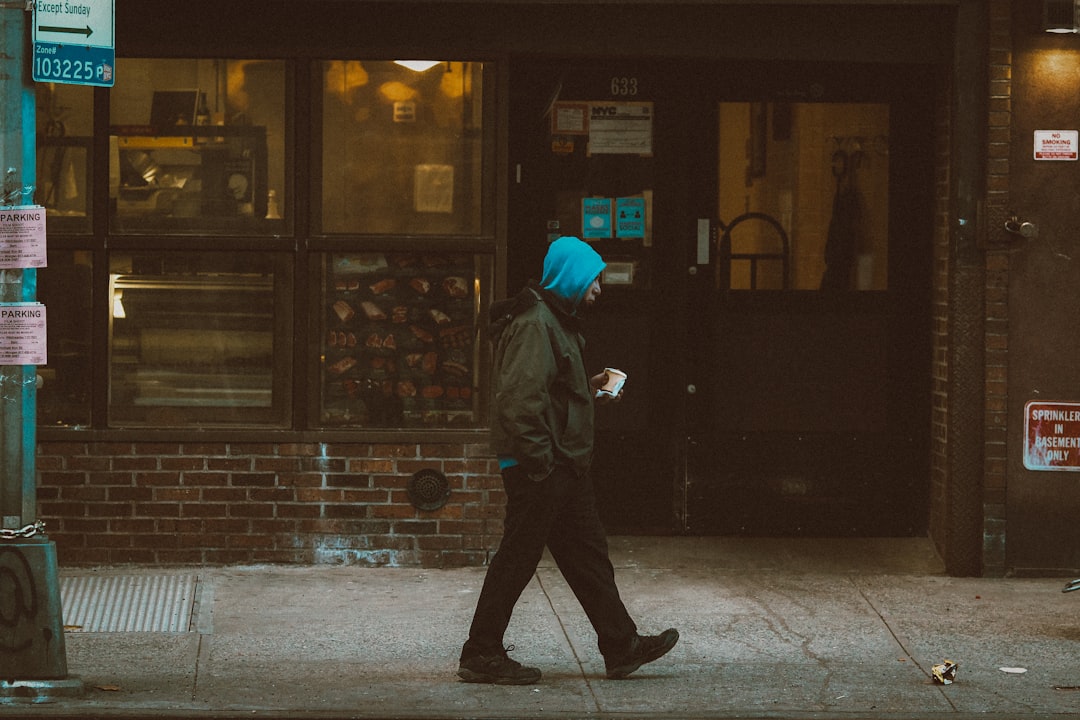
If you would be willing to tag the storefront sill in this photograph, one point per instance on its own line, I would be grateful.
(220, 435)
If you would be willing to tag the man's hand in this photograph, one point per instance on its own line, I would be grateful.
(596, 382)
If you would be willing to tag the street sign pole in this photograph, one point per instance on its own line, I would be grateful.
(33, 660)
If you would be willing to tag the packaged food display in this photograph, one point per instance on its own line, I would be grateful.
(399, 340)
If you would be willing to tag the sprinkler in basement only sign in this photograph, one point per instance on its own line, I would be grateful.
(1052, 436)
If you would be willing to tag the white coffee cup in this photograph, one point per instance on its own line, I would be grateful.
(613, 383)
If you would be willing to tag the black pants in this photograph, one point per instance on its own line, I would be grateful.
(559, 512)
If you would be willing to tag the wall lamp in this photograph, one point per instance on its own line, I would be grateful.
(1060, 16)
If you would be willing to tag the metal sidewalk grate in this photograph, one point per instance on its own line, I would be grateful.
(128, 603)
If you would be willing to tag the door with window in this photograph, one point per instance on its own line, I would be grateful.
(770, 302)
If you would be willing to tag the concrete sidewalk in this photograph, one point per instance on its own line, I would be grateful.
(770, 629)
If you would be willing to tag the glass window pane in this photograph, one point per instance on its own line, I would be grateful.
(401, 148)
(804, 195)
(400, 339)
(64, 288)
(198, 145)
(65, 132)
(199, 339)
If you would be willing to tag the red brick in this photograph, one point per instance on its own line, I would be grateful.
(253, 479)
(250, 510)
(157, 478)
(289, 510)
(86, 526)
(129, 494)
(204, 509)
(368, 465)
(394, 451)
(82, 493)
(206, 478)
(108, 510)
(250, 541)
(277, 464)
(230, 526)
(224, 495)
(63, 478)
(205, 450)
(138, 462)
(177, 494)
(229, 464)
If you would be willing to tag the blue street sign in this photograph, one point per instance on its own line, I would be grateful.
(74, 64)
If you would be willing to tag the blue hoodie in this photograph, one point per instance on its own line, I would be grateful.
(570, 267)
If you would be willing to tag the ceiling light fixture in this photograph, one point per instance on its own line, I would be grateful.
(418, 65)
(1060, 16)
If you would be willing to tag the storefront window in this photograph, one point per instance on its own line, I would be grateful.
(402, 148)
(804, 195)
(401, 342)
(64, 139)
(64, 288)
(198, 145)
(199, 339)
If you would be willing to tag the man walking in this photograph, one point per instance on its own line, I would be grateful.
(542, 433)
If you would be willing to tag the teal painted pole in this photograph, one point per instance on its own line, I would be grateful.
(18, 160)
(33, 658)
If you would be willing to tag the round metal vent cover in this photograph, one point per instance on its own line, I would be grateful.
(428, 490)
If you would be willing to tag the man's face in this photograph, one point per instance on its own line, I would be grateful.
(592, 293)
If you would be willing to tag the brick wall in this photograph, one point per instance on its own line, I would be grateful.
(939, 367)
(996, 304)
(240, 503)
(999, 136)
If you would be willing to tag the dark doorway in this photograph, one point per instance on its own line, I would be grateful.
(771, 310)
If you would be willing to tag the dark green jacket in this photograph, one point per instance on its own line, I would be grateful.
(543, 403)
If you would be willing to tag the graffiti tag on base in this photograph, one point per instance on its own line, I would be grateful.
(18, 601)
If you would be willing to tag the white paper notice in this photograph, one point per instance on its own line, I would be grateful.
(621, 128)
(22, 237)
(22, 334)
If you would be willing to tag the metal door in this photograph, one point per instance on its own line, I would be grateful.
(808, 388)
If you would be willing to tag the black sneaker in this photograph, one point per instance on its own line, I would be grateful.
(643, 649)
(497, 669)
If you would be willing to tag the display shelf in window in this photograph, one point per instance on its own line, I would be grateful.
(198, 340)
(190, 177)
(400, 340)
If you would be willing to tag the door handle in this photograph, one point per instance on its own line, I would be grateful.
(703, 244)
(1021, 227)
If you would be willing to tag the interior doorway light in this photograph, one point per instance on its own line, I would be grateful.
(1060, 16)
(420, 65)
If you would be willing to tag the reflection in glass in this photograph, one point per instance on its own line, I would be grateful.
(64, 288)
(401, 148)
(804, 191)
(64, 138)
(197, 145)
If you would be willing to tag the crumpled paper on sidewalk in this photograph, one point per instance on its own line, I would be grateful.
(944, 672)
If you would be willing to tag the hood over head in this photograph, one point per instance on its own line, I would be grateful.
(570, 267)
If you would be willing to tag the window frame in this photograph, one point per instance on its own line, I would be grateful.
(303, 244)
